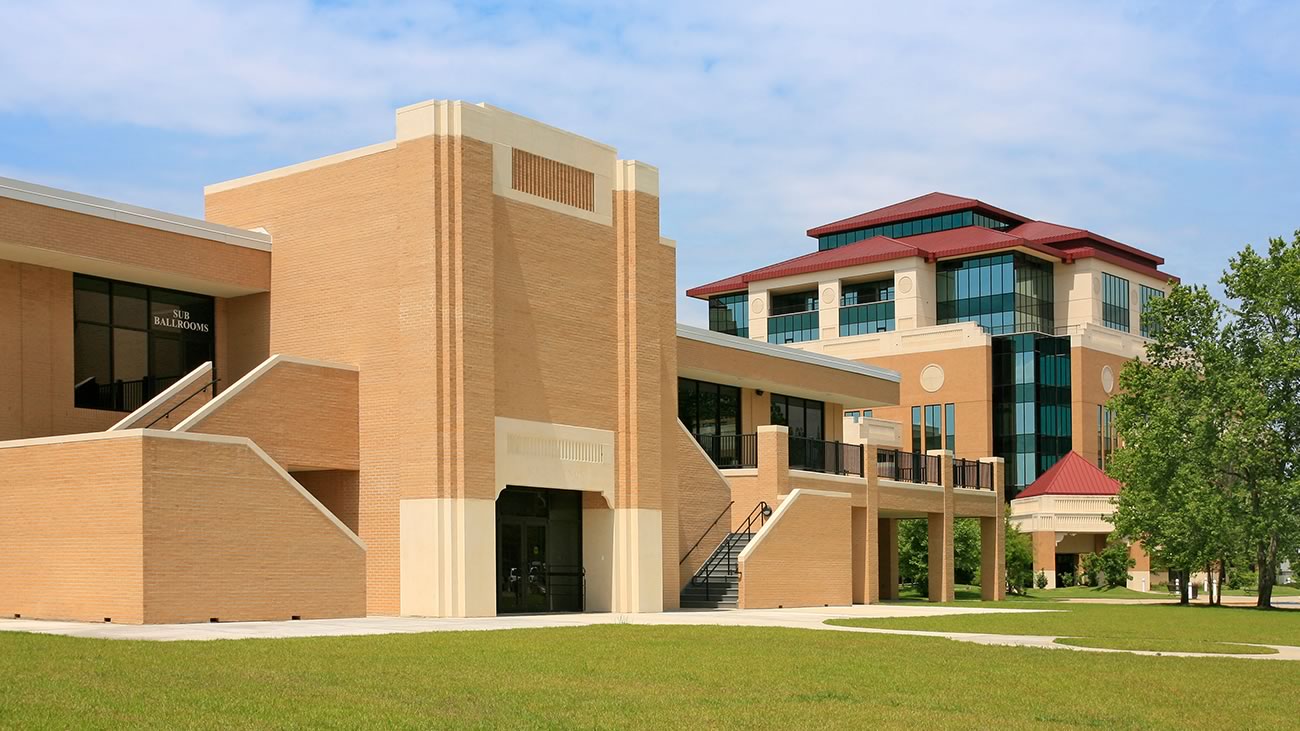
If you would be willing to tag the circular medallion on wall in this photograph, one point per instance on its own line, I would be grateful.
(1096, 285)
(828, 296)
(932, 378)
(1107, 379)
(757, 305)
(904, 284)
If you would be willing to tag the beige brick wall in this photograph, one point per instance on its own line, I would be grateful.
(166, 530)
(703, 496)
(304, 416)
(803, 556)
(225, 536)
(967, 383)
(72, 537)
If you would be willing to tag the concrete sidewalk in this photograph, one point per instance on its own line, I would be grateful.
(805, 618)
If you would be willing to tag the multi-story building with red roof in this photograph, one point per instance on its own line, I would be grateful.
(1010, 333)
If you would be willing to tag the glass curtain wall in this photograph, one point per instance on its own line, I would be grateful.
(1145, 296)
(1031, 404)
(929, 224)
(1004, 293)
(793, 318)
(729, 313)
(867, 307)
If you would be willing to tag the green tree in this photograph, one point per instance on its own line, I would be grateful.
(1210, 424)
(1111, 564)
(914, 551)
(1019, 552)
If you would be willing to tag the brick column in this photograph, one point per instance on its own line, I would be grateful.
(888, 542)
(940, 525)
(1045, 556)
(869, 562)
(773, 464)
(993, 559)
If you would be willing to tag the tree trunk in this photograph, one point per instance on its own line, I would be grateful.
(1223, 576)
(1266, 562)
(1184, 578)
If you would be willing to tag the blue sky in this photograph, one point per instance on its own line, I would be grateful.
(1173, 127)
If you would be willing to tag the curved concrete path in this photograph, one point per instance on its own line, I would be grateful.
(804, 618)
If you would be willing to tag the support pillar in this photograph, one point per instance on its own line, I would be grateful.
(993, 558)
(1045, 556)
(940, 525)
(866, 543)
(888, 542)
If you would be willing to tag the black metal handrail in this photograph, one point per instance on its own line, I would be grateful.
(210, 384)
(895, 464)
(722, 558)
(819, 455)
(730, 451)
(972, 474)
(706, 532)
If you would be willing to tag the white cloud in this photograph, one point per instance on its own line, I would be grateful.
(766, 118)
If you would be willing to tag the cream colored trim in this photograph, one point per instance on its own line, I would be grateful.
(636, 176)
(447, 557)
(598, 558)
(780, 512)
(927, 339)
(207, 438)
(66, 200)
(974, 491)
(171, 391)
(740, 472)
(638, 560)
(885, 482)
(287, 170)
(827, 477)
(207, 409)
(557, 456)
(670, 243)
(784, 351)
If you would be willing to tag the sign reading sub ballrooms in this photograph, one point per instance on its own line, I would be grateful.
(176, 319)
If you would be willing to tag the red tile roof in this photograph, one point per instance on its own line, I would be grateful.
(1054, 240)
(930, 204)
(1072, 475)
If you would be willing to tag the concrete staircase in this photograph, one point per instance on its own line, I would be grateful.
(717, 584)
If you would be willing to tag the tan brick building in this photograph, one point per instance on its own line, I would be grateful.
(364, 385)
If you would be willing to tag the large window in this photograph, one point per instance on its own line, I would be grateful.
(1114, 302)
(933, 414)
(729, 313)
(1031, 404)
(805, 418)
(950, 427)
(867, 307)
(130, 341)
(1003, 293)
(794, 318)
(1145, 296)
(708, 408)
(1105, 435)
(916, 428)
(930, 224)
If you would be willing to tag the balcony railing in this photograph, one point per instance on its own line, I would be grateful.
(922, 469)
(818, 455)
(972, 474)
(730, 451)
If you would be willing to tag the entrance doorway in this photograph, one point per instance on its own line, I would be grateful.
(539, 551)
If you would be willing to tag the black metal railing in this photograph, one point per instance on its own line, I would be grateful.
(723, 565)
(895, 464)
(704, 535)
(209, 385)
(819, 455)
(114, 396)
(972, 474)
(730, 451)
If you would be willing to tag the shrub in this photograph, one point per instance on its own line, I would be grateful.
(1041, 580)
(1113, 563)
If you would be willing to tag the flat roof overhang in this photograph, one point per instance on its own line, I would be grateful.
(72, 232)
(734, 361)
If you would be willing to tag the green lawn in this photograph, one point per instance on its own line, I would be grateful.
(1147, 622)
(625, 676)
(1278, 591)
(963, 592)
(1128, 643)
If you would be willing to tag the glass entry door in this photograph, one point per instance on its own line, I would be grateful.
(522, 575)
